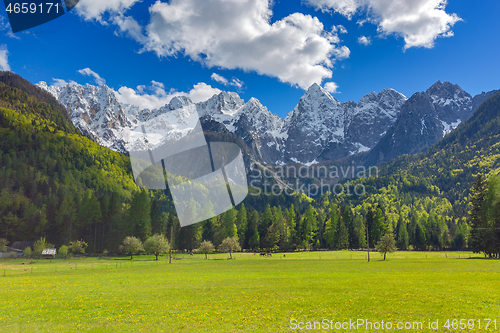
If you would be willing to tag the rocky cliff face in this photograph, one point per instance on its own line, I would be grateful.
(425, 119)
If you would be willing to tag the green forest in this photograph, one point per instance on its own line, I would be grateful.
(57, 184)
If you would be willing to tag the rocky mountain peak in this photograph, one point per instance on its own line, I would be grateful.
(179, 102)
(452, 103)
(439, 87)
(418, 104)
(315, 92)
(222, 103)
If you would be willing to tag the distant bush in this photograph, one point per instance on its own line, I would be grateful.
(3, 244)
(27, 252)
(41, 245)
(63, 251)
(78, 247)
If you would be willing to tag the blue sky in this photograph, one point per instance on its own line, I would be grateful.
(272, 51)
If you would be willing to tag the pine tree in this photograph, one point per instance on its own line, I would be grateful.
(273, 236)
(242, 225)
(266, 220)
(492, 212)
(252, 232)
(292, 226)
(412, 228)
(208, 230)
(91, 210)
(360, 231)
(370, 224)
(139, 215)
(310, 225)
(282, 228)
(402, 241)
(420, 238)
(331, 227)
(190, 237)
(228, 224)
(477, 216)
(342, 241)
(156, 221)
(380, 225)
(351, 227)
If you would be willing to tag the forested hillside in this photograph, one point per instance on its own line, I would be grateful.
(54, 182)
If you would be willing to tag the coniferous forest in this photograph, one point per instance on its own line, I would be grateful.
(56, 183)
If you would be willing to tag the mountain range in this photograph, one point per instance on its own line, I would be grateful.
(320, 128)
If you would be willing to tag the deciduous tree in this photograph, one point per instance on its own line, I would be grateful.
(3, 244)
(41, 245)
(386, 244)
(78, 247)
(156, 244)
(63, 251)
(132, 245)
(206, 248)
(27, 252)
(230, 245)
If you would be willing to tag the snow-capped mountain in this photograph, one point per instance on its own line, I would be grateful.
(96, 112)
(373, 113)
(319, 128)
(316, 122)
(425, 119)
(452, 104)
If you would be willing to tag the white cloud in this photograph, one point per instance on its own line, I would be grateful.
(346, 8)
(339, 29)
(158, 97)
(95, 9)
(4, 58)
(88, 72)
(218, 78)
(363, 40)
(5, 27)
(419, 22)
(62, 83)
(235, 82)
(201, 92)
(129, 26)
(235, 34)
(331, 87)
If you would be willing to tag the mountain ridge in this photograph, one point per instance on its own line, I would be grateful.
(320, 127)
(100, 116)
(424, 119)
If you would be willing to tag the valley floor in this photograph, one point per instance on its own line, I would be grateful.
(249, 293)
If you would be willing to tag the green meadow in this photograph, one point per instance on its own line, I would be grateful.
(249, 293)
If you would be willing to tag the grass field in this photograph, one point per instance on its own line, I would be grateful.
(247, 294)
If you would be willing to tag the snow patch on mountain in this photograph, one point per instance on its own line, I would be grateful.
(450, 127)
